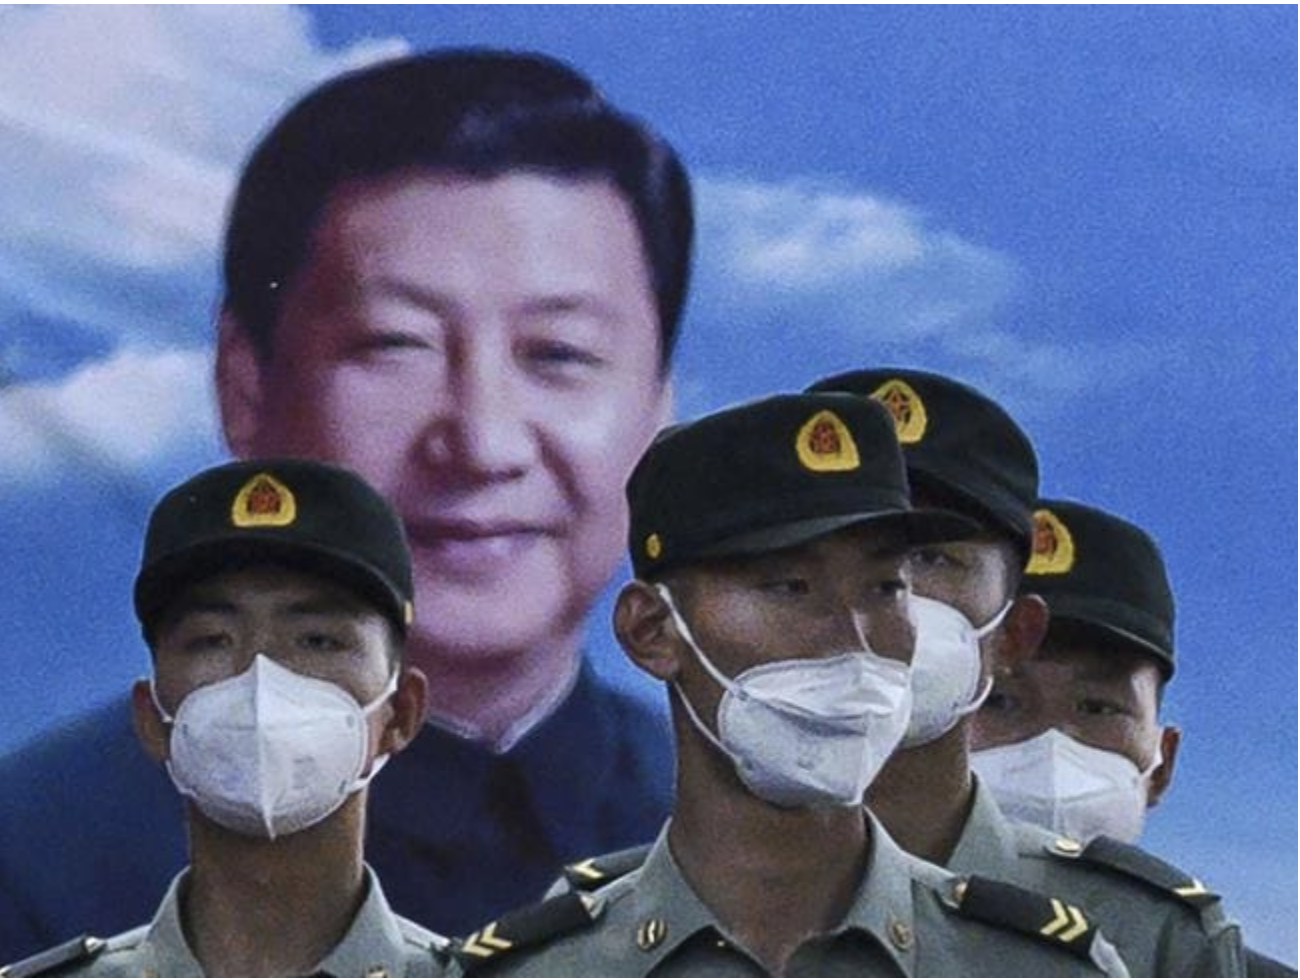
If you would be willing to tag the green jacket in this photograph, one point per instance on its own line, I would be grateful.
(378, 944)
(909, 918)
(1163, 922)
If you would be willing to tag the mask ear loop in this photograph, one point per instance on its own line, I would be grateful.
(861, 632)
(379, 761)
(724, 681)
(162, 712)
(987, 687)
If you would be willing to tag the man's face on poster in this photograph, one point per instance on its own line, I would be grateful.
(486, 352)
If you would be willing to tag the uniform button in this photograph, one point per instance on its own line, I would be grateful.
(1067, 845)
(651, 933)
(377, 971)
(723, 944)
(901, 934)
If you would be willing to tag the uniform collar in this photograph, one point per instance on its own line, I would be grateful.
(987, 842)
(372, 946)
(665, 901)
(166, 951)
(882, 906)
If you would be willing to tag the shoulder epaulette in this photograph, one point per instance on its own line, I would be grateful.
(49, 962)
(1136, 863)
(529, 926)
(1051, 920)
(598, 871)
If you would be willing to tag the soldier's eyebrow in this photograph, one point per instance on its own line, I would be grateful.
(892, 549)
(1093, 672)
(320, 606)
(199, 606)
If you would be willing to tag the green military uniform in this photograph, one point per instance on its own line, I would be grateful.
(1164, 923)
(909, 918)
(379, 943)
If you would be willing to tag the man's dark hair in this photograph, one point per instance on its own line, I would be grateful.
(480, 113)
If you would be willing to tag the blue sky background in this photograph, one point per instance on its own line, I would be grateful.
(1088, 212)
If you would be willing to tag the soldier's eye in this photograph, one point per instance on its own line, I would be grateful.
(788, 586)
(213, 640)
(1099, 707)
(1001, 701)
(893, 587)
(321, 642)
(932, 558)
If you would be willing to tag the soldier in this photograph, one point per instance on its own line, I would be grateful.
(965, 453)
(769, 543)
(1071, 738)
(275, 596)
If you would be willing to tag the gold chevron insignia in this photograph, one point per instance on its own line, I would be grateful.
(1192, 890)
(486, 942)
(651, 933)
(1065, 916)
(587, 869)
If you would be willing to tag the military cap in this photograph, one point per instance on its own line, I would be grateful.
(310, 515)
(1099, 571)
(772, 474)
(956, 441)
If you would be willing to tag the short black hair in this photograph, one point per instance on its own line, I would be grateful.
(477, 112)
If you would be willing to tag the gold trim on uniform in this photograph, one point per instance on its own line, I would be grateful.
(825, 445)
(1053, 552)
(1067, 924)
(486, 942)
(651, 933)
(905, 405)
(263, 502)
(900, 934)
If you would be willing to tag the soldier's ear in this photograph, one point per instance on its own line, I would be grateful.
(645, 630)
(240, 386)
(1022, 631)
(407, 706)
(1171, 737)
(149, 726)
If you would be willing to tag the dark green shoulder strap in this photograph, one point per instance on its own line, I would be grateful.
(1137, 863)
(598, 871)
(51, 961)
(1050, 920)
(522, 928)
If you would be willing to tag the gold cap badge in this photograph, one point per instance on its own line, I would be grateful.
(654, 546)
(263, 502)
(1053, 546)
(906, 407)
(825, 445)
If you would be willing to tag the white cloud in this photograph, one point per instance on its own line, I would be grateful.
(122, 127)
(801, 277)
(113, 416)
(876, 264)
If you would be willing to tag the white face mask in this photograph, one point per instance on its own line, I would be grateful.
(270, 752)
(945, 669)
(1071, 788)
(805, 732)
